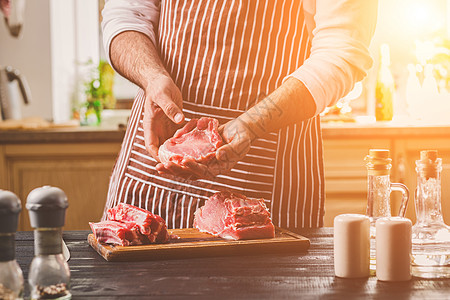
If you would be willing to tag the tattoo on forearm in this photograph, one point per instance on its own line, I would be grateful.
(263, 112)
(268, 105)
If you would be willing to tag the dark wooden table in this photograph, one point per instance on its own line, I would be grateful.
(308, 275)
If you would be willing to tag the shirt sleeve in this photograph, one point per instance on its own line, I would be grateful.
(125, 15)
(339, 48)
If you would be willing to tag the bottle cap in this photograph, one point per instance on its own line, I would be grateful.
(379, 153)
(429, 159)
(10, 208)
(47, 207)
(378, 162)
(429, 156)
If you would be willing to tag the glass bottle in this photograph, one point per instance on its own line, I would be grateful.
(379, 188)
(11, 278)
(49, 275)
(384, 88)
(430, 235)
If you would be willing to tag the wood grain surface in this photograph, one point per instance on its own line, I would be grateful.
(303, 275)
(193, 243)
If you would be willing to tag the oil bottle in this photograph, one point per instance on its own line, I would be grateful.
(379, 188)
(430, 235)
(385, 88)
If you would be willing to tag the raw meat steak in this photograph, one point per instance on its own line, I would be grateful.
(234, 216)
(198, 139)
(150, 225)
(130, 225)
(112, 232)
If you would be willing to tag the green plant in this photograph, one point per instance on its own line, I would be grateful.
(100, 86)
(99, 92)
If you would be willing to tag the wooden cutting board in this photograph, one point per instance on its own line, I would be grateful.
(193, 243)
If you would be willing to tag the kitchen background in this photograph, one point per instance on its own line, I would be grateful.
(59, 52)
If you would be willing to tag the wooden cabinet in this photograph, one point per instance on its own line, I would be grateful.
(346, 174)
(82, 170)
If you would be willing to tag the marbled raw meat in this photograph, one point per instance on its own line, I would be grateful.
(234, 216)
(150, 225)
(123, 234)
(130, 225)
(198, 139)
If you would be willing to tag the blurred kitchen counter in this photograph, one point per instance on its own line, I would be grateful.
(37, 130)
(63, 135)
(330, 130)
(339, 130)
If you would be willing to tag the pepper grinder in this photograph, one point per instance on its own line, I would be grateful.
(49, 275)
(11, 278)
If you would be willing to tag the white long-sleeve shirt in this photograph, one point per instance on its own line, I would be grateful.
(341, 33)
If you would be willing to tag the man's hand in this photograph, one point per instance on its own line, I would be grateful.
(162, 112)
(238, 140)
(135, 57)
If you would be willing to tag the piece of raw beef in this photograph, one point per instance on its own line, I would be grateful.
(151, 225)
(234, 216)
(112, 232)
(130, 225)
(198, 139)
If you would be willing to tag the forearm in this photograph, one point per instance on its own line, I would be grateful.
(289, 104)
(135, 57)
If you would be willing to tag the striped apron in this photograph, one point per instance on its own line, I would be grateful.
(225, 56)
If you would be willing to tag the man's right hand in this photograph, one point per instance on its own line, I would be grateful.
(162, 112)
(136, 58)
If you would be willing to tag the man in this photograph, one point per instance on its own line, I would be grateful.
(264, 69)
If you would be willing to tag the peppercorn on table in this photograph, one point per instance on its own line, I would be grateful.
(305, 275)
